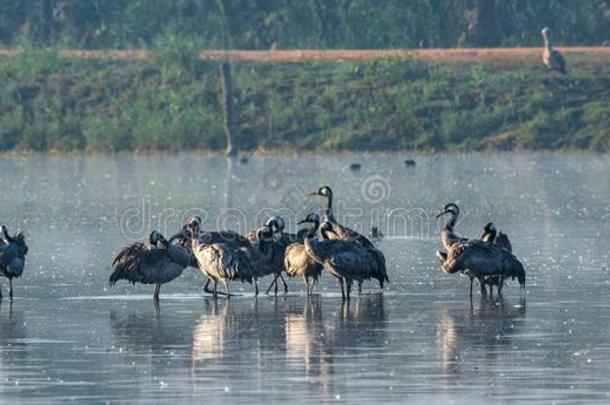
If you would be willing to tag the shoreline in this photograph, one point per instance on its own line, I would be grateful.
(406, 154)
(294, 55)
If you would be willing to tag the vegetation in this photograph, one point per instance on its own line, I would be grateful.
(248, 24)
(171, 102)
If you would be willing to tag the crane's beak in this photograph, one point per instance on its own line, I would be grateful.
(305, 221)
(442, 213)
(313, 193)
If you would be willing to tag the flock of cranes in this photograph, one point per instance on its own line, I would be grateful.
(324, 245)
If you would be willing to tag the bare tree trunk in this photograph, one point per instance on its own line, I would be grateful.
(227, 107)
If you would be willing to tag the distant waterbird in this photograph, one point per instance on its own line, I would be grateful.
(552, 58)
(155, 261)
(13, 250)
(410, 163)
(375, 233)
(355, 167)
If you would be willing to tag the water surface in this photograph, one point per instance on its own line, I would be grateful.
(68, 336)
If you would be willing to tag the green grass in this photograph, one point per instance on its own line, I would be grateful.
(171, 103)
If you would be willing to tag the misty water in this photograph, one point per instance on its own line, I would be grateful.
(69, 336)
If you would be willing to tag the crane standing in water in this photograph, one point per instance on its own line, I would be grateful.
(298, 263)
(12, 256)
(156, 262)
(488, 259)
(331, 229)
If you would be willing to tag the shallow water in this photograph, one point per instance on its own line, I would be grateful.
(68, 336)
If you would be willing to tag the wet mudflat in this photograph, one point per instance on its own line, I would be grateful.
(68, 336)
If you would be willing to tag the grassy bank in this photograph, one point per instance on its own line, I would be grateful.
(171, 103)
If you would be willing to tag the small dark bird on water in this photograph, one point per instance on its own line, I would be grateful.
(410, 163)
(375, 233)
(243, 159)
(355, 167)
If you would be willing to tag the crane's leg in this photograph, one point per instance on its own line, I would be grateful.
(227, 288)
(360, 287)
(285, 285)
(314, 281)
(10, 292)
(471, 281)
(255, 286)
(206, 288)
(483, 289)
(157, 309)
(342, 290)
(215, 292)
(157, 290)
(349, 288)
(0, 292)
(273, 283)
(500, 286)
(306, 279)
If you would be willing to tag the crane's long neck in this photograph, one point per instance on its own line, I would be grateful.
(330, 215)
(547, 41)
(310, 247)
(314, 228)
(452, 221)
(448, 235)
(489, 236)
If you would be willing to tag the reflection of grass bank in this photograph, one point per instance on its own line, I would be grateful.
(171, 103)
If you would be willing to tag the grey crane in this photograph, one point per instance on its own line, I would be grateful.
(482, 260)
(13, 250)
(298, 263)
(281, 242)
(221, 262)
(500, 239)
(228, 261)
(331, 229)
(231, 239)
(276, 247)
(345, 259)
(155, 262)
(450, 238)
(552, 58)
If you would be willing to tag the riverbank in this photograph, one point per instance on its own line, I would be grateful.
(170, 102)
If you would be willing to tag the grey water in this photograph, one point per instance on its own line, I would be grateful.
(69, 336)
